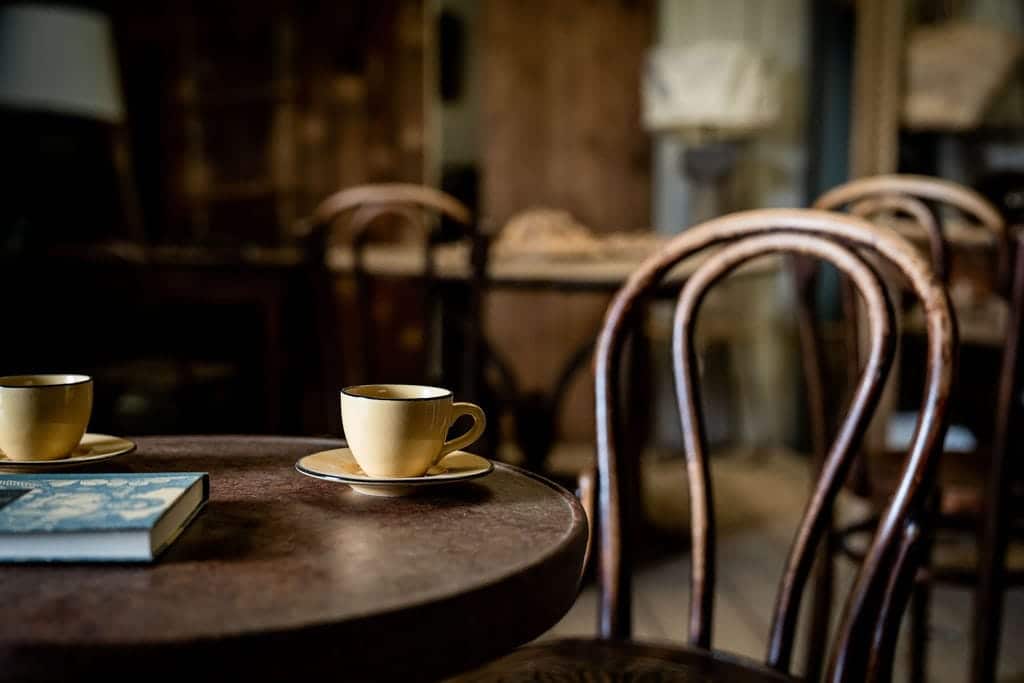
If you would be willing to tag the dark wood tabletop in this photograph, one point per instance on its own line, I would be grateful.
(282, 575)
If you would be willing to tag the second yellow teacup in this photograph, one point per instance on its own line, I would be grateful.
(43, 417)
(399, 430)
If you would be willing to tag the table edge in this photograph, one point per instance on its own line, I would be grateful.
(576, 534)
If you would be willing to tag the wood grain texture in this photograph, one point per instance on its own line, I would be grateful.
(586, 661)
(283, 576)
(561, 110)
(245, 114)
(876, 206)
(561, 116)
(999, 515)
(878, 592)
(861, 616)
(836, 463)
(975, 208)
(755, 532)
(867, 196)
(383, 196)
(921, 198)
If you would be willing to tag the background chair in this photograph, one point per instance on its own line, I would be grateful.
(450, 308)
(861, 651)
(983, 466)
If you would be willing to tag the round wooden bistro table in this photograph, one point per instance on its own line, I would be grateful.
(282, 575)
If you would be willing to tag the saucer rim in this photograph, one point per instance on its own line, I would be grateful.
(393, 481)
(61, 463)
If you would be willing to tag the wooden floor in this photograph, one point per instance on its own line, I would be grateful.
(759, 498)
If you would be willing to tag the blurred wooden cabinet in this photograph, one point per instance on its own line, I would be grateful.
(242, 116)
(245, 114)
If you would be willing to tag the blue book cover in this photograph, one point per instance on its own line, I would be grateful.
(95, 517)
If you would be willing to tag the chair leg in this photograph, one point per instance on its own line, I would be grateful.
(920, 601)
(821, 612)
(988, 600)
(994, 537)
(535, 430)
(921, 594)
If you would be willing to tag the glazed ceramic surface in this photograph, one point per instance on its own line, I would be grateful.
(43, 417)
(339, 465)
(399, 430)
(93, 448)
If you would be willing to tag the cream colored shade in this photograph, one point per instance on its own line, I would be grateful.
(59, 59)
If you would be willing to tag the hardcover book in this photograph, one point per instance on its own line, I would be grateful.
(96, 517)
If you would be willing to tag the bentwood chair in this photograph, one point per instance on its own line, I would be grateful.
(927, 202)
(863, 646)
(366, 209)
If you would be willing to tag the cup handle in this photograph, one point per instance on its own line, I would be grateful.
(479, 424)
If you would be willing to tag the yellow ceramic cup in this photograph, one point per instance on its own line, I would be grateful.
(43, 417)
(399, 430)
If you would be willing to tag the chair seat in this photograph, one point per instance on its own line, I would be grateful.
(615, 661)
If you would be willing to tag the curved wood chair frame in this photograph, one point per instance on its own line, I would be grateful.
(882, 323)
(367, 206)
(884, 188)
(923, 216)
(879, 594)
(391, 194)
(814, 362)
(918, 197)
(920, 186)
(873, 601)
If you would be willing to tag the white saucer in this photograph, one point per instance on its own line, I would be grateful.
(339, 465)
(91, 449)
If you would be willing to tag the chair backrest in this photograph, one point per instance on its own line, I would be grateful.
(394, 197)
(364, 208)
(922, 217)
(838, 239)
(919, 197)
